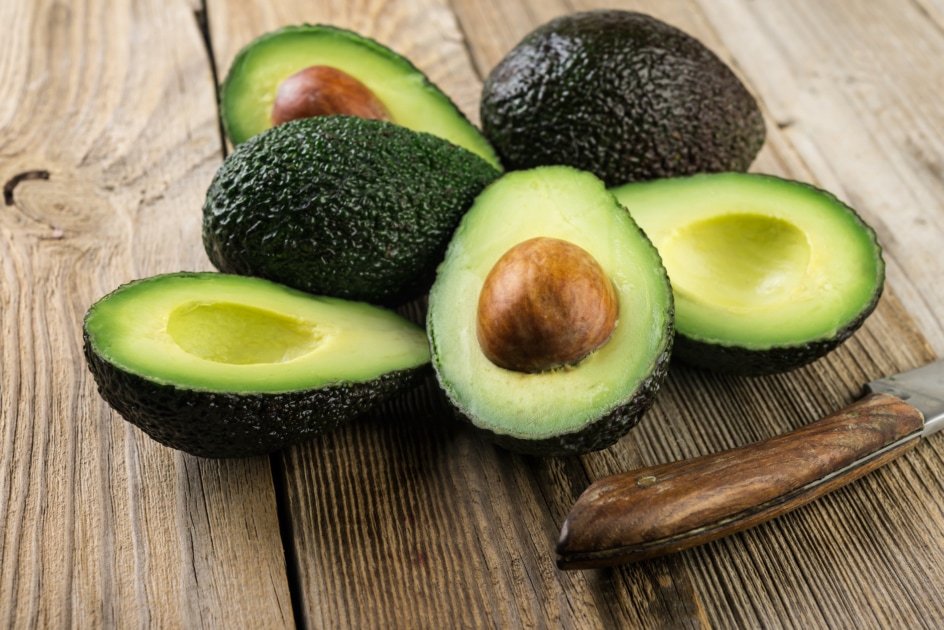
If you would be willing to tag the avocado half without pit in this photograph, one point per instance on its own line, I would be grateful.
(550, 320)
(769, 274)
(309, 70)
(228, 366)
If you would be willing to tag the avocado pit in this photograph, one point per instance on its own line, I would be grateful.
(323, 91)
(545, 304)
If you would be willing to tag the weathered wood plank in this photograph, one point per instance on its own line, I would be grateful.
(856, 89)
(407, 519)
(431, 513)
(112, 104)
(108, 137)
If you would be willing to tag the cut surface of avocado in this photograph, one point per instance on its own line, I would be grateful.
(574, 408)
(223, 365)
(771, 273)
(252, 82)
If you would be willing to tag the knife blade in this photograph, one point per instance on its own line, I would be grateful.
(662, 509)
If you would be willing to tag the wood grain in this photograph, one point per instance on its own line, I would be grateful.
(109, 135)
(854, 90)
(454, 531)
(114, 106)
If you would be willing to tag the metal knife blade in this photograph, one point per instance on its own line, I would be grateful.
(922, 388)
(662, 509)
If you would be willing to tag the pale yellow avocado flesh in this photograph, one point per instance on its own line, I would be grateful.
(564, 203)
(757, 261)
(252, 83)
(238, 334)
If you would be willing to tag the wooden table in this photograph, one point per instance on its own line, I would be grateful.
(109, 135)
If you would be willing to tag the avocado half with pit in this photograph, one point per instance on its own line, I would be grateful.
(308, 70)
(550, 321)
(620, 94)
(769, 274)
(339, 205)
(227, 366)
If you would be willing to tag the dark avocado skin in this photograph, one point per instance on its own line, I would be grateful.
(622, 95)
(225, 424)
(341, 206)
(773, 360)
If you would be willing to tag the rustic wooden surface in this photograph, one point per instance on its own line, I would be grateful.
(109, 135)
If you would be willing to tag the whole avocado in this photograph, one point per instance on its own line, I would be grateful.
(341, 206)
(622, 95)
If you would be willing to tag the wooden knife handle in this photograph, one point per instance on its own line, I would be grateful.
(662, 509)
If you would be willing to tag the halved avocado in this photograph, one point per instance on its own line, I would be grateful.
(550, 320)
(409, 98)
(769, 274)
(227, 366)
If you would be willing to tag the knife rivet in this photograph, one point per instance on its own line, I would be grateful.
(646, 481)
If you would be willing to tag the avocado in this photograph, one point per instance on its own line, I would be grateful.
(769, 274)
(322, 69)
(340, 205)
(550, 320)
(219, 365)
(622, 95)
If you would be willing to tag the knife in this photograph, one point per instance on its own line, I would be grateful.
(658, 510)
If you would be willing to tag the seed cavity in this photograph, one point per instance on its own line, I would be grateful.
(235, 334)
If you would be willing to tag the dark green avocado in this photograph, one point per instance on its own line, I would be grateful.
(550, 320)
(768, 274)
(342, 206)
(622, 95)
(228, 366)
(403, 93)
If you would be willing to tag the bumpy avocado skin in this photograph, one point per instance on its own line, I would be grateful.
(622, 95)
(225, 424)
(341, 206)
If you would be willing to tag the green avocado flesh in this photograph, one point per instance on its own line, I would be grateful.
(221, 366)
(250, 87)
(342, 206)
(622, 95)
(576, 408)
(768, 274)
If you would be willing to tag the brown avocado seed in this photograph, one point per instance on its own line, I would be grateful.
(322, 91)
(546, 303)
